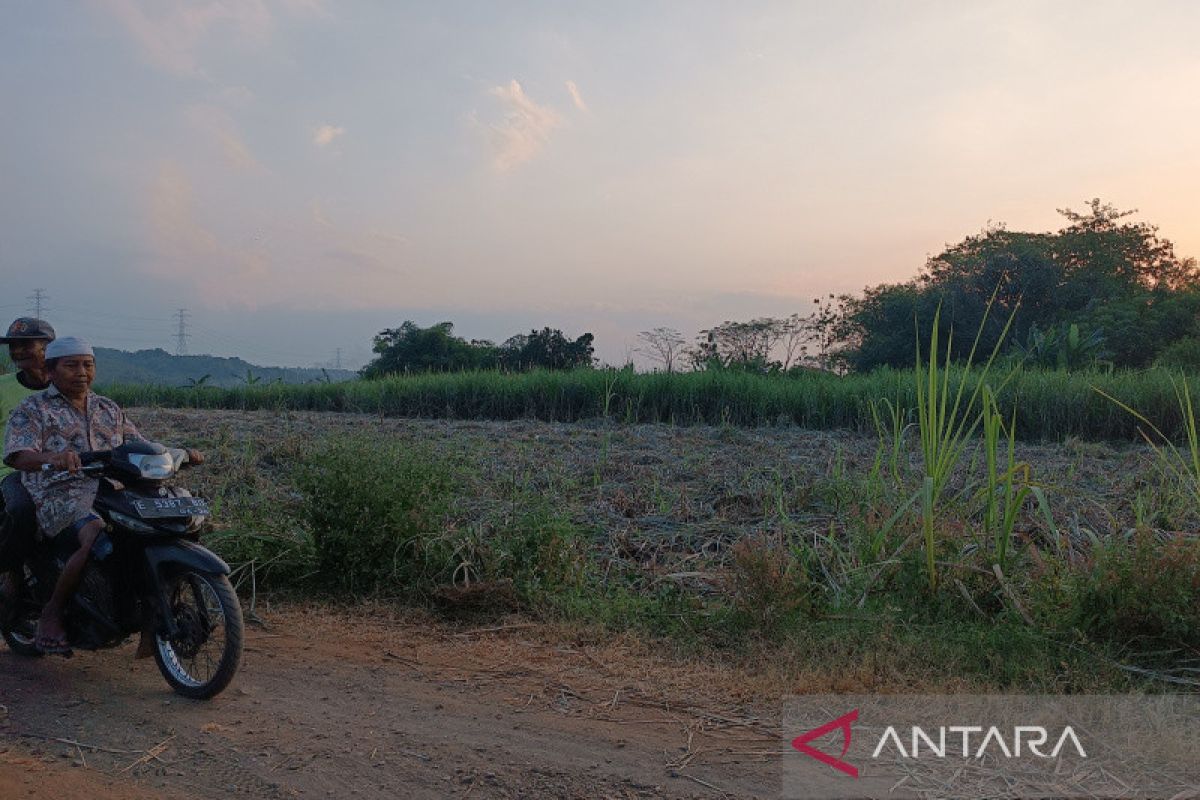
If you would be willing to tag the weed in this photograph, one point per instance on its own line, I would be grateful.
(1139, 591)
(767, 584)
(539, 550)
(376, 510)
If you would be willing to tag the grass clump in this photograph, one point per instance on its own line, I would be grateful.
(532, 549)
(376, 511)
(1140, 592)
(768, 586)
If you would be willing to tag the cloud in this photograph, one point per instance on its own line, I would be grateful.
(170, 32)
(326, 134)
(318, 214)
(216, 123)
(300, 259)
(185, 250)
(236, 96)
(523, 132)
(577, 97)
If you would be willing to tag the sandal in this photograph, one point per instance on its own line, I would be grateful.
(52, 645)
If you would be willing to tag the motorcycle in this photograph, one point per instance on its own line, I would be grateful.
(147, 574)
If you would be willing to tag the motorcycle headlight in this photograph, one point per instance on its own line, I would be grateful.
(153, 466)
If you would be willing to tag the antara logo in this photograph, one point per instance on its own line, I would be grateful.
(991, 740)
(841, 723)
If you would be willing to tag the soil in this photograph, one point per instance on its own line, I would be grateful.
(370, 703)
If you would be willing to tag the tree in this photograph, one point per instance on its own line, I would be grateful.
(739, 345)
(411, 348)
(662, 345)
(822, 329)
(1114, 279)
(1097, 251)
(547, 349)
(879, 328)
(794, 337)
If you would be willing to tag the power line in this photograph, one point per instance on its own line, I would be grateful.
(38, 298)
(181, 336)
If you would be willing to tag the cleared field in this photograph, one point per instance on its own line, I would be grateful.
(798, 550)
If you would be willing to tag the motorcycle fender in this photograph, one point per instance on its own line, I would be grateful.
(185, 554)
(180, 554)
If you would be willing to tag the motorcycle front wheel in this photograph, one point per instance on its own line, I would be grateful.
(203, 655)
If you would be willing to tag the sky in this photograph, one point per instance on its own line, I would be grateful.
(300, 174)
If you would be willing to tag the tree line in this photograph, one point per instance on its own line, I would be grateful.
(1103, 290)
(411, 348)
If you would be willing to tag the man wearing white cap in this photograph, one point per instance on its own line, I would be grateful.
(48, 431)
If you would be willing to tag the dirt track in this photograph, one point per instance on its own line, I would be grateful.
(370, 705)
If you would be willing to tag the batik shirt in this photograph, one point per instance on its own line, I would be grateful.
(47, 423)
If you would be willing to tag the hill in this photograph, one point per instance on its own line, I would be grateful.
(158, 367)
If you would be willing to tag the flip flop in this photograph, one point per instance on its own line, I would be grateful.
(53, 645)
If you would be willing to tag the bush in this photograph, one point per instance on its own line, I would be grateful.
(1141, 590)
(376, 510)
(533, 554)
(768, 584)
(1183, 354)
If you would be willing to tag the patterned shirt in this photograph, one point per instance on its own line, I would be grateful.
(47, 423)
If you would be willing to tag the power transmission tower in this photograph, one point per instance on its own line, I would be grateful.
(181, 335)
(337, 359)
(38, 298)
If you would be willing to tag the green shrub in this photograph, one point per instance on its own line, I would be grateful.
(1183, 354)
(1141, 591)
(377, 511)
(768, 584)
(537, 549)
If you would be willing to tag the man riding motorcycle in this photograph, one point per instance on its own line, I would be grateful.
(47, 432)
(26, 338)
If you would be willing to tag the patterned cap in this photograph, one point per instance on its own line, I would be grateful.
(25, 328)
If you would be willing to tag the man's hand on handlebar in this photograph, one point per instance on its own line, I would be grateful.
(67, 461)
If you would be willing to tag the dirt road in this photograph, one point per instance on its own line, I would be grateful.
(369, 704)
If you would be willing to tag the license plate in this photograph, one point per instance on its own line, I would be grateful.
(171, 507)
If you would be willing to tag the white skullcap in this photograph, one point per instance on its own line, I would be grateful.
(68, 346)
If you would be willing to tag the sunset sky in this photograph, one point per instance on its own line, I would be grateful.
(299, 174)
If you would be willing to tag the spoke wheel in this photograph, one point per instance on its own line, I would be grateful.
(23, 633)
(200, 660)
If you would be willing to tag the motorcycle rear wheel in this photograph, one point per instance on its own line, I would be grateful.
(22, 635)
(200, 661)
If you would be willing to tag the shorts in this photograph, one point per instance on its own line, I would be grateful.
(66, 541)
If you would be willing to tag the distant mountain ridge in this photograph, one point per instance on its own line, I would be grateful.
(159, 368)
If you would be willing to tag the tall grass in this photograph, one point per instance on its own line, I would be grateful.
(1182, 462)
(946, 422)
(1054, 405)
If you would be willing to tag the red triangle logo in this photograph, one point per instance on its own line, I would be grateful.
(842, 723)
